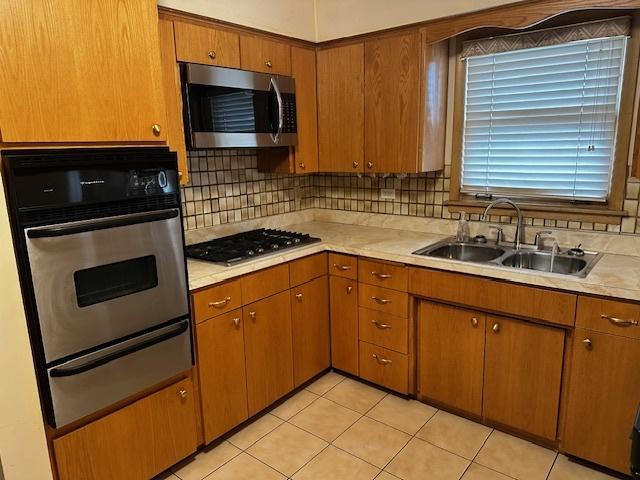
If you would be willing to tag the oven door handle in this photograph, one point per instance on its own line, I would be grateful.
(101, 224)
(110, 357)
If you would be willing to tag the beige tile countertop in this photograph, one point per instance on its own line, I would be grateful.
(615, 275)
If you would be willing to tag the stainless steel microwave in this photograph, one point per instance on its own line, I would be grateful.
(225, 108)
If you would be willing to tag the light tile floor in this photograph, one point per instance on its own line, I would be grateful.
(338, 428)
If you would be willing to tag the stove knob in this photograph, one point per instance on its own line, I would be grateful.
(288, 242)
(250, 253)
(296, 240)
(275, 246)
(260, 250)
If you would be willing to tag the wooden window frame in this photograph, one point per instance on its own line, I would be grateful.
(612, 211)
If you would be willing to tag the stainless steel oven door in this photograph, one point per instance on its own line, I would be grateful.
(99, 280)
(88, 383)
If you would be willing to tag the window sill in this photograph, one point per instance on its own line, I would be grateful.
(592, 214)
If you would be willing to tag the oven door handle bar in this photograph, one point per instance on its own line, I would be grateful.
(101, 224)
(91, 364)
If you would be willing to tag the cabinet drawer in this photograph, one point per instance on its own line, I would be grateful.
(343, 265)
(609, 316)
(384, 300)
(209, 46)
(264, 283)
(383, 274)
(216, 300)
(492, 295)
(307, 268)
(384, 367)
(262, 55)
(384, 330)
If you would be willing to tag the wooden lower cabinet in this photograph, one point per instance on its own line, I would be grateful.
(310, 329)
(384, 367)
(268, 350)
(344, 323)
(522, 375)
(451, 356)
(136, 442)
(221, 368)
(604, 393)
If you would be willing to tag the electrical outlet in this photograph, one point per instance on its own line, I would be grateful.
(387, 194)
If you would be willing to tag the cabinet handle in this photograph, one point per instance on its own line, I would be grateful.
(182, 393)
(382, 360)
(302, 165)
(349, 289)
(156, 129)
(211, 54)
(355, 164)
(369, 164)
(381, 301)
(299, 296)
(179, 175)
(474, 322)
(268, 64)
(236, 321)
(252, 315)
(342, 268)
(220, 303)
(496, 327)
(587, 344)
(381, 276)
(619, 321)
(381, 326)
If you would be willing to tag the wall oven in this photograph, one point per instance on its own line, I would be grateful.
(100, 246)
(226, 108)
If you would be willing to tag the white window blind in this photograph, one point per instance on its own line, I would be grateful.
(541, 122)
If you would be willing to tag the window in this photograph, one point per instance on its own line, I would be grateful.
(541, 122)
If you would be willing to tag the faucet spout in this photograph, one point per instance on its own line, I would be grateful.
(511, 203)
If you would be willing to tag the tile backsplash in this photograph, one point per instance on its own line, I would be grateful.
(225, 187)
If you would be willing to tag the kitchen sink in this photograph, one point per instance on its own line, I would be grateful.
(526, 258)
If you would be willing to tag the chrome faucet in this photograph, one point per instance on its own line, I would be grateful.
(506, 201)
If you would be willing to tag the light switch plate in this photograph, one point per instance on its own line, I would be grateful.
(387, 194)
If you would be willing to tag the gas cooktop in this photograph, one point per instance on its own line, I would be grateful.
(247, 245)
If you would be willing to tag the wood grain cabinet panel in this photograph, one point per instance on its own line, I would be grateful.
(344, 324)
(206, 45)
(343, 265)
(604, 391)
(385, 330)
(268, 350)
(384, 300)
(522, 375)
(341, 109)
(307, 268)
(303, 70)
(264, 283)
(223, 379)
(384, 367)
(392, 103)
(383, 274)
(451, 356)
(263, 55)
(216, 300)
(609, 316)
(77, 71)
(136, 442)
(311, 329)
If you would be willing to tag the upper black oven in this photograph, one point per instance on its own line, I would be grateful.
(225, 108)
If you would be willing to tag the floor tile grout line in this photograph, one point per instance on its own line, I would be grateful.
(266, 464)
(483, 444)
(310, 460)
(552, 465)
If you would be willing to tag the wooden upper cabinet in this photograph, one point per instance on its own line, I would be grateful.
(77, 71)
(267, 56)
(341, 109)
(172, 97)
(392, 103)
(206, 45)
(303, 70)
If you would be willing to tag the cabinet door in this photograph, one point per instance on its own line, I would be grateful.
(392, 99)
(341, 109)
(344, 324)
(206, 45)
(604, 393)
(223, 380)
(303, 69)
(268, 350)
(310, 319)
(522, 375)
(136, 442)
(77, 71)
(268, 56)
(451, 355)
(172, 97)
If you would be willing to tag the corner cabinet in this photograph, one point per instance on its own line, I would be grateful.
(80, 72)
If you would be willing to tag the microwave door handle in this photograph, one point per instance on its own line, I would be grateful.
(276, 137)
(101, 224)
(110, 357)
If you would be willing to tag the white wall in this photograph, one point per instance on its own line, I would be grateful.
(294, 18)
(23, 446)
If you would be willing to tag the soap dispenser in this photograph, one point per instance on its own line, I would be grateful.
(462, 234)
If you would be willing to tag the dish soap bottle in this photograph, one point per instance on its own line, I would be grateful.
(462, 234)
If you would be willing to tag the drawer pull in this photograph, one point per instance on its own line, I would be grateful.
(236, 321)
(381, 301)
(382, 360)
(620, 322)
(381, 326)
(299, 296)
(342, 268)
(252, 315)
(220, 303)
(496, 327)
(381, 276)
(474, 322)
(182, 393)
(588, 344)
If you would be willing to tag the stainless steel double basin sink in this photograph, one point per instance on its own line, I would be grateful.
(524, 258)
